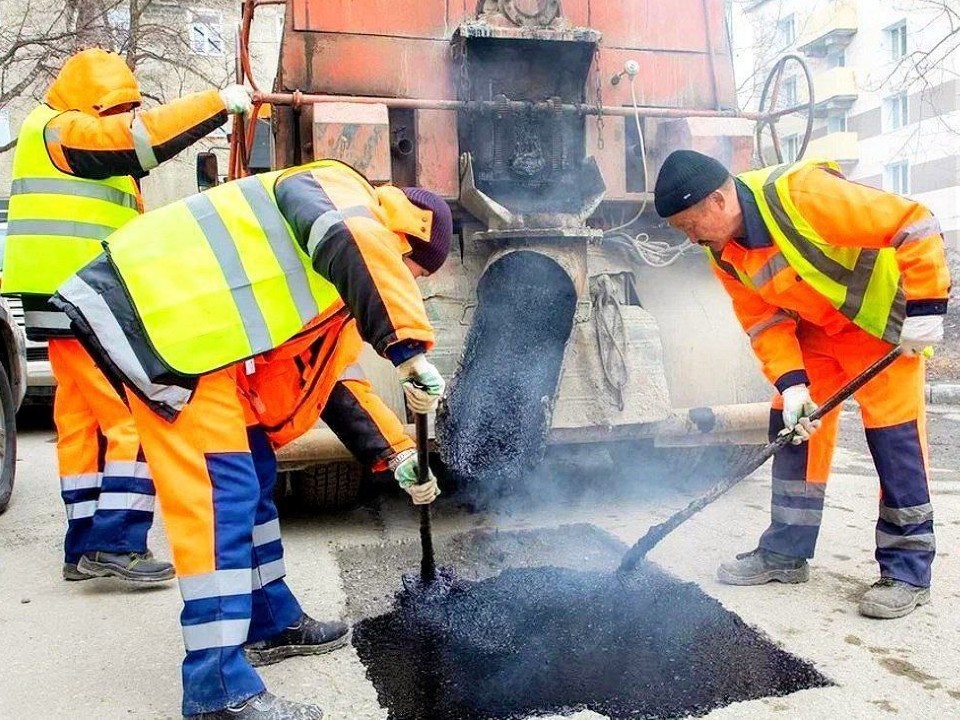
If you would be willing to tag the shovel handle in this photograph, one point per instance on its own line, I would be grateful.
(428, 564)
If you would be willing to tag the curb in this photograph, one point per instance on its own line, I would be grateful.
(943, 394)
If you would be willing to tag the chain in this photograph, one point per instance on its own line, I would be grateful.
(599, 99)
(464, 72)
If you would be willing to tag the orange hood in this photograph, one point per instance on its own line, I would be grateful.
(93, 81)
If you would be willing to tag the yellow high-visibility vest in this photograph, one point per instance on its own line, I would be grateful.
(56, 222)
(219, 277)
(862, 283)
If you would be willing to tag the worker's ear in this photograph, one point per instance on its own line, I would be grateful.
(719, 199)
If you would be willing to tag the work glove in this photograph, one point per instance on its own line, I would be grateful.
(422, 384)
(237, 99)
(405, 471)
(920, 332)
(797, 407)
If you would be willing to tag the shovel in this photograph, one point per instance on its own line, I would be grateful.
(658, 532)
(428, 564)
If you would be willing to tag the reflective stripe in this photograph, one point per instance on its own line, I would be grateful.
(64, 228)
(128, 469)
(228, 257)
(353, 372)
(799, 488)
(283, 247)
(907, 515)
(267, 573)
(46, 320)
(796, 516)
(108, 331)
(920, 230)
(765, 274)
(266, 533)
(143, 145)
(85, 481)
(85, 509)
(127, 501)
(324, 224)
(218, 634)
(857, 283)
(219, 583)
(778, 317)
(926, 542)
(75, 188)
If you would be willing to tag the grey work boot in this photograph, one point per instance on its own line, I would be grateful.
(889, 599)
(263, 707)
(762, 566)
(307, 637)
(73, 574)
(132, 567)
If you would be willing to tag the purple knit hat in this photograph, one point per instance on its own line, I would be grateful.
(431, 255)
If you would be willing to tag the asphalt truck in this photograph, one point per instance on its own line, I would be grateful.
(569, 316)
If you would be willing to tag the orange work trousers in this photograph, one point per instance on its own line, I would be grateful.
(892, 407)
(104, 480)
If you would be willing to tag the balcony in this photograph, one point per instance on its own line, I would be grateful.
(830, 28)
(835, 90)
(844, 147)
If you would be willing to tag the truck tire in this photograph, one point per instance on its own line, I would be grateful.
(8, 440)
(325, 488)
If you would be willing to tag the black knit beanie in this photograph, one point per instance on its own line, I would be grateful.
(431, 255)
(686, 178)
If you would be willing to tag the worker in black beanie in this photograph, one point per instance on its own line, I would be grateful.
(826, 276)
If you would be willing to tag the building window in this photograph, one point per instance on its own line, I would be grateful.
(896, 177)
(836, 59)
(897, 39)
(791, 148)
(895, 111)
(206, 37)
(837, 123)
(787, 31)
(790, 92)
(5, 136)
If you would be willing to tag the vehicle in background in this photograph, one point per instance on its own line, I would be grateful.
(13, 383)
(40, 381)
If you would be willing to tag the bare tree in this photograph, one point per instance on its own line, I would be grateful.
(151, 37)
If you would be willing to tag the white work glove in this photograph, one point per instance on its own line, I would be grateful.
(405, 472)
(237, 99)
(797, 407)
(920, 332)
(422, 384)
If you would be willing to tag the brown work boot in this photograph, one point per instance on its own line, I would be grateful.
(889, 599)
(132, 567)
(72, 573)
(264, 706)
(760, 566)
(306, 637)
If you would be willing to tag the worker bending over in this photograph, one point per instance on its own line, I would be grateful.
(826, 276)
(76, 168)
(235, 317)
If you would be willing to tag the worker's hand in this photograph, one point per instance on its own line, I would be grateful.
(406, 475)
(797, 408)
(920, 332)
(422, 384)
(237, 99)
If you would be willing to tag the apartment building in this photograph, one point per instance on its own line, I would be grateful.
(185, 46)
(886, 82)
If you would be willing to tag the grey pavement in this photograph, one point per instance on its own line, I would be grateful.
(98, 650)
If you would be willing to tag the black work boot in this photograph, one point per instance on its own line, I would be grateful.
(263, 707)
(307, 637)
(130, 566)
(73, 574)
(762, 566)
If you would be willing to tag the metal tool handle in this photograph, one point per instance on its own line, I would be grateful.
(428, 565)
(655, 534)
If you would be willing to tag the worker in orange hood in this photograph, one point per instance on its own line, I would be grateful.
(78, 158)
(827, 275)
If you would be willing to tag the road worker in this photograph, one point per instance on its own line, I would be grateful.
(826, 276)
(78, 159)
(234, 317)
